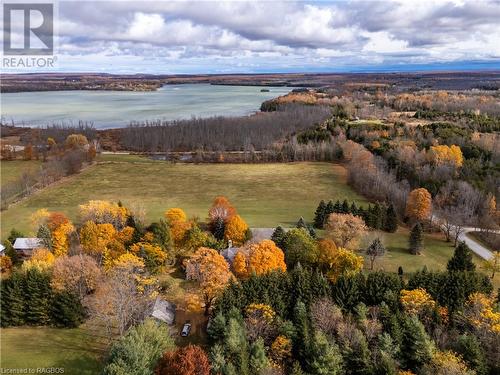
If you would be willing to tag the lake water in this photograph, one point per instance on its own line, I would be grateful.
(111, 109)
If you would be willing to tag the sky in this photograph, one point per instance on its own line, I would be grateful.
(187, 37)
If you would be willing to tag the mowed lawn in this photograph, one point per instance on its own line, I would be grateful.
(14, 169)
(265, 195)
(75, 350)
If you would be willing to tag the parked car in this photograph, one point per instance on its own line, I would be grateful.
(186, 329)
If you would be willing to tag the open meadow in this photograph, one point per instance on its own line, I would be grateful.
(266, 195)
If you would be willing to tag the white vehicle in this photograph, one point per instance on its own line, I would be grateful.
(186, 329)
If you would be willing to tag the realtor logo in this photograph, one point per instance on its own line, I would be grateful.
(28, 29)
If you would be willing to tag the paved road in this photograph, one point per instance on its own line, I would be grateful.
(475, 246)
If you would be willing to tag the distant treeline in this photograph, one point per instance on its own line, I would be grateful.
(257, 132)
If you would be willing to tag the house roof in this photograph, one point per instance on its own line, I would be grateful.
(164, 311)
(2, 248)
(27, 243)
(230, 253)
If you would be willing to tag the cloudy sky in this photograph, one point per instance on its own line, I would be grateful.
(265, 36)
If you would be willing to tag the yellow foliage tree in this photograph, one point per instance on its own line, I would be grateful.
(129, 262)
(345, 263)
(76, 141)
(346, 230)
(416, 301)
(212, 272)
(419, 204)
(153, 255)
(446, 363)
(177, 221)
(260, 311)
(281, 349)
(39, 217)
(5, 263)
(327, 253)
(236, 230)
(443, 154)
(42, 259)
(104, 212)
(60, 239)
(95, 238)
(481, 314)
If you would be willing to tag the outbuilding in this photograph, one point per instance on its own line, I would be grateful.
(26, 246)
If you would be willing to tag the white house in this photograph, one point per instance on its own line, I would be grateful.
(2, 249)
(164, 311)
(26, 246)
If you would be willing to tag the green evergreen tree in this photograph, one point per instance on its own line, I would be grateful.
(357, 355)
(462, 259)
(12, 304)
(330, 209)
(353, 209)
(320, 215)
(337, 207)
(218, 228)
(324, 358)
(217, 328)
(258, 359)
(38, 296)
(138, 229)
(391, 219)
(470, 349)
(301, 322)
(345, 207)
(67, 310)
(11, 252)
(416, 239)
(301, 223)
(45, 235)
(378, 217)
(217, 359)
(236, 345)
(14, 233)
(161, 234)
(417, 348)
(347, 291)
(278, 236)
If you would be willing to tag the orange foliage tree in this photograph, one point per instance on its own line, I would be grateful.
(236, 230)
(177, 221)
(419, 204)
(262, 258)
(345, 229)
(211, 270)
(78, 274)
(60, 239)
(327, 252)
(189, 360)
(221, 209)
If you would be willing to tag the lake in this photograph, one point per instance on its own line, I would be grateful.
(112, 109)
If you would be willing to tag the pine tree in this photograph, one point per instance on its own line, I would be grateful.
(67, 310)
(14, 233)
(473, 354)
(301, 223)
(353, 209)
(258, 359)
(416, 239)
(378, 216)
(218, 228)
(278, 236)
(161, 234)
(417, 348)
(337, 207)
(45, 235)
(345, 207)
(12, 304)
(320, 215)
(38, 296)
(11, 252)
(217, 328)
(330, 209)
(391, 219)
(462, 259)
(302, 339)
(324, 358)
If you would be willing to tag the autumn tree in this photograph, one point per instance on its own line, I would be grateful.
(345, 230)
(76, 141)
(221, 209)
(446, 363)
(261, 258)
(492, 265)
(177, 221)
(376, 249)
(78, 274)
(60, 239)
(28, 152)
(188, 360)
(416, 301)
(236, 230)
(419, 205)
(41, 259)
(5, 263)
(212, 272)
(154, 256)
(345, 263)
(327, 251)
(104, 212)
(442, 154)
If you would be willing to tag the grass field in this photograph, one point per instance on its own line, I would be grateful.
(75, 350)
(265, 195)
(12, 170)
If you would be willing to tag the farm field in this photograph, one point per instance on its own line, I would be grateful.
(266, 195)
(12, 170)
(78, 351)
